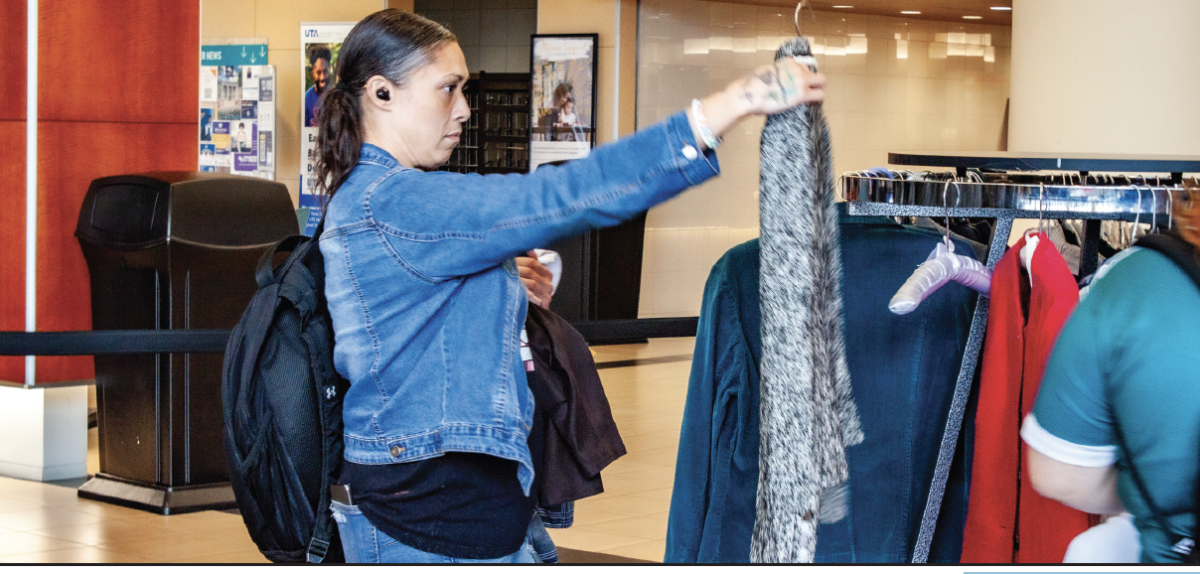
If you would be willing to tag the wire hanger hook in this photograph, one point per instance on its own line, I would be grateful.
(796, 16)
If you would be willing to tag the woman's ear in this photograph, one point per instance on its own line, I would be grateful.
(379, 92)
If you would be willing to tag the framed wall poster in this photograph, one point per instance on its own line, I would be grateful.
(237, 108)
(562, 97)
(320, 44)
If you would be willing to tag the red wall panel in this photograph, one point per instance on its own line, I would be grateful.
(12, 181)
(126, 61)
(118, 86)
(12, 237)
(12, 46)
(70, 156)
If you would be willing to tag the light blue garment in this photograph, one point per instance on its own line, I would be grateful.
(424, 295)
(1131, 351)
(365, 544)
(903, 369)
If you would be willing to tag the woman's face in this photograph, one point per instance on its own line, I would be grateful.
(427, 123)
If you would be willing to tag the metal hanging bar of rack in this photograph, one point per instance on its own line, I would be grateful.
(871, 195)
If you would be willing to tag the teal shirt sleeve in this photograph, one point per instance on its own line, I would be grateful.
(1071, 421)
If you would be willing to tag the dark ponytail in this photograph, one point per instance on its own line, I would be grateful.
(388, 43)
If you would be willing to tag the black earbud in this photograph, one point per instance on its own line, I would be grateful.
(383, 94)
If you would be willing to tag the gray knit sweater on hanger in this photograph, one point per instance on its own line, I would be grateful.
(807, 411)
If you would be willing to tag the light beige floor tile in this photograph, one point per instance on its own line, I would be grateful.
(625, 504)
(106, 532)
(623, 465)
(640, 482)
(241, 557)
(14, 543)
(41, 518)
(652, 550)
(13, 504)
(591, 540)
(652, 526)
(661, 493)
(76, 555)
(205, 521)
(589, 515)
(652, 440)
(657, 457)
(171, 548)
(114, 511)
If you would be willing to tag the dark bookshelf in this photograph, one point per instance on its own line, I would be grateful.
(496, 138)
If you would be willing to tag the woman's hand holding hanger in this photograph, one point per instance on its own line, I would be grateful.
(769, 89)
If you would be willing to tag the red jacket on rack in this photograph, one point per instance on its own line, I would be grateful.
(1007, 521)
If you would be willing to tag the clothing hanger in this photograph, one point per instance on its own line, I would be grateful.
(941, 267)
(796, 16)
(1032, 239)
(1170, 206)
(1153, 211)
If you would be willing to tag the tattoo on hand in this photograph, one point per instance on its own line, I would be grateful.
(779, 83)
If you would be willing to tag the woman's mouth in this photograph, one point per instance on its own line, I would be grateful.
(454, 136)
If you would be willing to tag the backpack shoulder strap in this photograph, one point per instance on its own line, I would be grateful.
(1185, 543)
(1177, 249)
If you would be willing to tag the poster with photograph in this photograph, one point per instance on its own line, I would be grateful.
(220, 137)
(320, 44)
(250, 83)
(229, 93)
(563, 122)
(207, 155)
(206, 124)
(237, 108)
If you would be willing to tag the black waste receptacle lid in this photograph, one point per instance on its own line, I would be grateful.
(138, 211)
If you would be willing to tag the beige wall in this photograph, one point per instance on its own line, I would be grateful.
(278, 22)
(895, 84)
(616, 23)
(1106, 76)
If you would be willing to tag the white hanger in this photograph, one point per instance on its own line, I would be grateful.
(941, 267)
(1032, 240)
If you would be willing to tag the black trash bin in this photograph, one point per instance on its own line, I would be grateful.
(170, 250)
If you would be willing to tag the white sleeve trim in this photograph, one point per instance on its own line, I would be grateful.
(1064, 451)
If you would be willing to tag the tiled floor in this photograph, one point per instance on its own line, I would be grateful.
(49, 523)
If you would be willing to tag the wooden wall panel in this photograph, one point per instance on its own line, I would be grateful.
(12, 181)
(70, 156)
(12, 237)
(12, 45)
(118, 91)
(130, 61)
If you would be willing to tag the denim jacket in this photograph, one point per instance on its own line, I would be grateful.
(423, 290)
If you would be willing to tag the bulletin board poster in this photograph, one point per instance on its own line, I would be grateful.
(237, 110)
(563, 97)
(320, 44)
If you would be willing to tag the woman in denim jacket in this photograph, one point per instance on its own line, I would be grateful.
(426, 298)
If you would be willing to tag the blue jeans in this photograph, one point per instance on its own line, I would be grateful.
(365, 544)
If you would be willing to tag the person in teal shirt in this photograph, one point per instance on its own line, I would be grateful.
(1128, 356)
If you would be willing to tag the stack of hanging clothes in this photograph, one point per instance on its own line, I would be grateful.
(903, 371)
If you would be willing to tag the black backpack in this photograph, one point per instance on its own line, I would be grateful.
(1187, 257)
(282, 401)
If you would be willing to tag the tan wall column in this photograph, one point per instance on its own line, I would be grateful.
(1105, 76)
(616, 23)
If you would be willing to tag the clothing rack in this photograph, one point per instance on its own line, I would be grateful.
(1004, 202)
